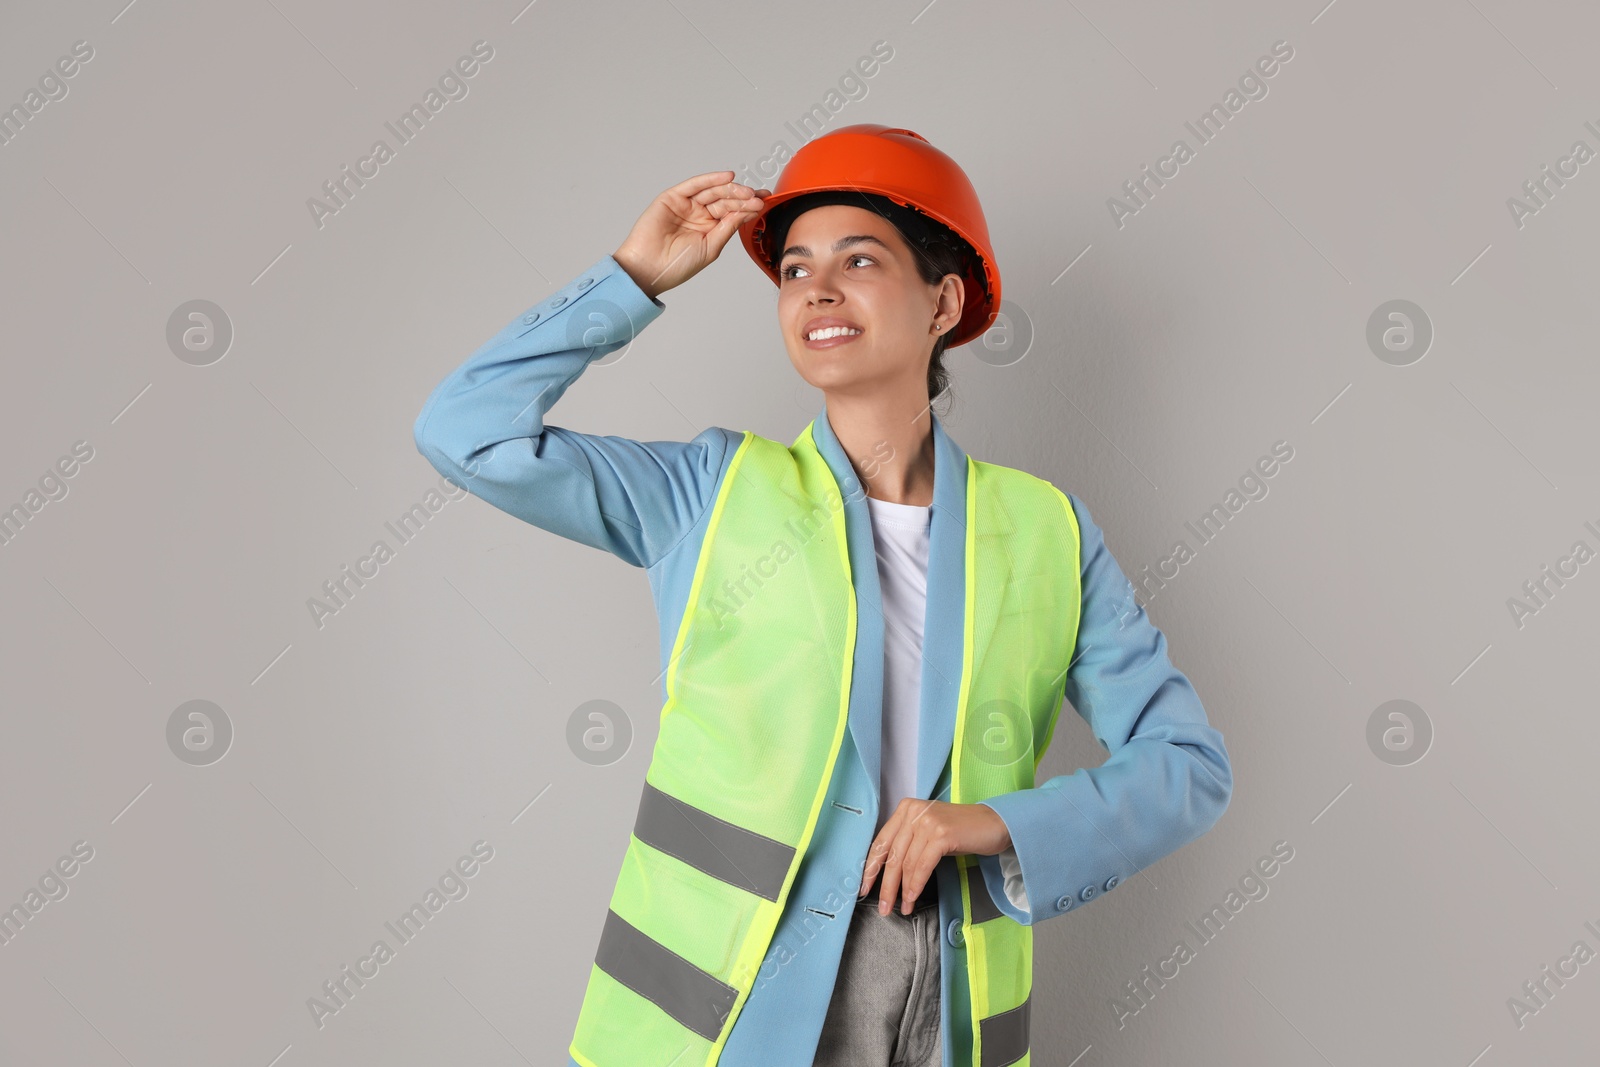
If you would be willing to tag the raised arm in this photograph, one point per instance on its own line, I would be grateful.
(1166, 782)
(484, 428)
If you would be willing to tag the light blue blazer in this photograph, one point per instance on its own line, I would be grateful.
(1076, 836)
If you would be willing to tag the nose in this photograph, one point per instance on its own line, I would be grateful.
(824, 289)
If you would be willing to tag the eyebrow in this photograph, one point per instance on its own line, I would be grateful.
(838, 246)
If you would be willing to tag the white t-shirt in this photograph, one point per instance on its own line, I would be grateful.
(900, 535)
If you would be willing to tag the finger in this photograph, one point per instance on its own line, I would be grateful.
(869, 867)
(927, 845)
(721, 232)
(725, 191)
(875, 854)
(725, 228)
(892, 865)
(689, 187)
(740, 209)
(922, 855)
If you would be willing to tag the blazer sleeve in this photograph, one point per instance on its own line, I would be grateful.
(1167, 779)
(483, 427)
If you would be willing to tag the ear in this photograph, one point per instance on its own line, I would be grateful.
(952, 298)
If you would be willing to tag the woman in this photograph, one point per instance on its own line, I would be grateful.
(867, 636)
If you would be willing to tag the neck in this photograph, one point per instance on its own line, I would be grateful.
(890, 445)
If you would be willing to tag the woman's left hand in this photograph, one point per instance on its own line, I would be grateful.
(918, 835)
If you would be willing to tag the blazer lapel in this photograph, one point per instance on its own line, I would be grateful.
(866, 679)
(943, 619)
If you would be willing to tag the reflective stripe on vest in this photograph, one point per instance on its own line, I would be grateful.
(758, 690)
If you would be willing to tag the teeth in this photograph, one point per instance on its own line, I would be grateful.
(831, 331)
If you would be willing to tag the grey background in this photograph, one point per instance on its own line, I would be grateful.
(368, 755)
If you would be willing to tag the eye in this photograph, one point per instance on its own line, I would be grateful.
(788, 272)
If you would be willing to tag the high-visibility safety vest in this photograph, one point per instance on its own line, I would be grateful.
(758, 695)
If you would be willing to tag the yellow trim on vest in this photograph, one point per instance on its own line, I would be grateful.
(700, 565)
(754, 949)
(1077, 621)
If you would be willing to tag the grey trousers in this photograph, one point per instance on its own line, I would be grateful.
(885, 1006)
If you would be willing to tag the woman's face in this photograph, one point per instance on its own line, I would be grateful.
(848, 266)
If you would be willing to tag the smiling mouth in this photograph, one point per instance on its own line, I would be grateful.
(831, 336)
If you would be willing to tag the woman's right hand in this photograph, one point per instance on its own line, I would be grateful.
(685, 228)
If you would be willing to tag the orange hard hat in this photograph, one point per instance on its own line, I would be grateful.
(901, 166)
